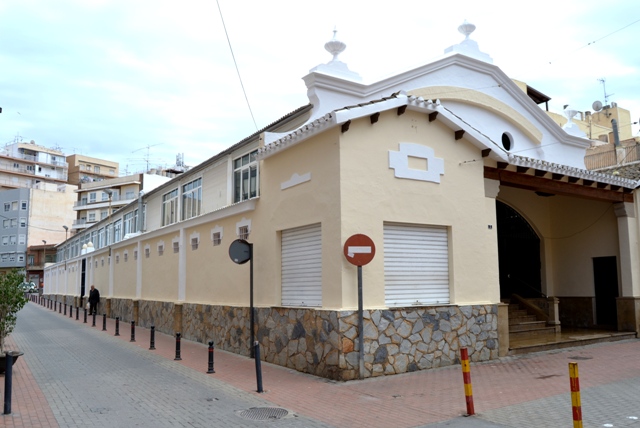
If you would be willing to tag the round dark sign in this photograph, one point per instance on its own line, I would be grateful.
(240, 251)
(359, 249)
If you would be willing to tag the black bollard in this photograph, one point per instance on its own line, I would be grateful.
(177, 358)
(93, 324)
(55, 305)
(256, 353)
(70, 311)
(117, 326)
(85, 315)
(133, 331)
(152, 345)
(65, 309)
(8, 366)
(104, 322)
(60, 308)
(211, 370)
(77, 313)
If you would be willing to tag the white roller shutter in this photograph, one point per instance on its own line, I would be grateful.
(302, 266)
(416, 265)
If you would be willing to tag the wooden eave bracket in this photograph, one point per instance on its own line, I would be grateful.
(374, 117)
(539, 173)
(522, 169)
(432, 116)
(459, 133)
(345, 126)
(401, 110)
(486, 152)
(557, 176)
(502, 165)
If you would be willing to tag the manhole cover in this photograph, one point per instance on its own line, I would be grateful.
(580, 358)
(264, 413)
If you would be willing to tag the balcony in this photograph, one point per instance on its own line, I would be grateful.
(611, 158)
(119, 200)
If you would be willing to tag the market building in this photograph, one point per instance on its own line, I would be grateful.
(470, 191)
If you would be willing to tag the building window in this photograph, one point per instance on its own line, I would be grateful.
(129, 224)
(112, 171)
(217, 238)
(117, 230)
(22, 239)
(92, 217)
(21, 257)
(96, 169)
(5, 240)
(92, 197)
(170, 207)
(7, 206)
(13, 239)
(126, 257)
(117, 258)
(245, 177)
(192, 199)
(23, 222)
(147, 252)
(301, 266)
(194, 243)
(176, 247)
(135, 254)
(101, 262)
(14, 222)
(416, 265)
(31, 259)
(5, 223)
(14, 206)
(105, 196)
(160, 250)
(104, 214)
(23, 205)
(243, 232)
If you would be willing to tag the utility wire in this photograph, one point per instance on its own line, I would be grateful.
(236, 64)
(601, 38)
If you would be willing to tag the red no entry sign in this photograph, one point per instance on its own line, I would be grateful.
(359, 249)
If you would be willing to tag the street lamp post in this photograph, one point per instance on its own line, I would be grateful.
(110, 193)
(44, 261)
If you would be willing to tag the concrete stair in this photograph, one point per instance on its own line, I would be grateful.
(522, 324)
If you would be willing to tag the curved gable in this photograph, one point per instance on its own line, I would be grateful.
(476, 98)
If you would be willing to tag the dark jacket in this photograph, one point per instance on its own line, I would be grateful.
(94, 296)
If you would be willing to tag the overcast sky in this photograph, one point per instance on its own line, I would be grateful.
(138, 80)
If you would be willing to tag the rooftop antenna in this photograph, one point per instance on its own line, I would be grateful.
(604, 88)
(146, 158)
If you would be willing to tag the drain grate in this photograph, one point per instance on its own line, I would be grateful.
(580, 358)
(264, 413)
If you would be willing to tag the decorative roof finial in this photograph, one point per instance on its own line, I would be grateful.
(466, 28)
(334, 46)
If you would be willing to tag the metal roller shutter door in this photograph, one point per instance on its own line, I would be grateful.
(302, 266)
(416, 265)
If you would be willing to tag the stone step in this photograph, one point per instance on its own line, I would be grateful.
(521, 319)
(528, 326)
(553, 343)
(518, 313)
(530, 332)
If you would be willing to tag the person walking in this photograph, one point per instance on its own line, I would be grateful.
(94, 299)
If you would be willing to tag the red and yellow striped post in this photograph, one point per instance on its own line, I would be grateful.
(575, 395)
(466, 375)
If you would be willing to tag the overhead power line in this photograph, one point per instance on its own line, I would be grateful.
(236, 64)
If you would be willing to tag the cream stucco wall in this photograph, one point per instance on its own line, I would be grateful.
(372, 195)
(310, 202)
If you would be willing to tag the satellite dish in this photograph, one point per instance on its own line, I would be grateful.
(597, 105)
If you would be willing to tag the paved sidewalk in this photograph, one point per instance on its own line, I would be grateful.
(134, 386)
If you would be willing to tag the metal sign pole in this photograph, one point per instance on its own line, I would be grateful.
(360, 325)
(252, 316)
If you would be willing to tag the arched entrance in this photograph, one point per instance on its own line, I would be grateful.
(518, 254)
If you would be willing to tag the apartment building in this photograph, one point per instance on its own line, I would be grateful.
(28, 164)
(86, 169)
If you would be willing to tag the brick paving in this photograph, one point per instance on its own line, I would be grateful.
(530, 390)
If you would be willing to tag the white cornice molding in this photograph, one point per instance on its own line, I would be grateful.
(572, 171)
